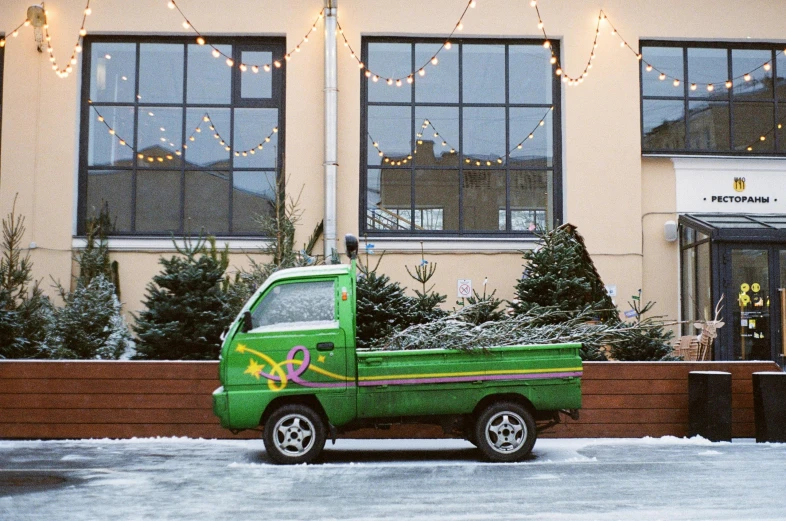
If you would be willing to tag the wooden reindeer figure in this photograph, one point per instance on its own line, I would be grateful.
(709, 330)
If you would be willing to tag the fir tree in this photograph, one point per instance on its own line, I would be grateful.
(426, 302)
(561, 273)
(25, 312)
(652, 342)
(480, 309)
(186, 306)
(382, 306)
(90, 324)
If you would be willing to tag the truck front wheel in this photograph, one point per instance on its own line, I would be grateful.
(505, 431)
(294, 434)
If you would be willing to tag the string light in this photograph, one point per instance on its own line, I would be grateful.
(649, 67)
(420, 71)
(440, 139)
(218, 53)
(192, 137)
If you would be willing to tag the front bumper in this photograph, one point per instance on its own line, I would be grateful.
(221, 406)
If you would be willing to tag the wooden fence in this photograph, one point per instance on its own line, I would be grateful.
(87, 399)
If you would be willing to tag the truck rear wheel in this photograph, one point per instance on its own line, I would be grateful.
(505, 431)
(294, 434)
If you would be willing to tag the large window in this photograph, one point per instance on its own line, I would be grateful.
(706, 98)
(471, 147)
(177, 137)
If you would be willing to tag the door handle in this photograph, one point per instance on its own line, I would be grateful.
(325, 346)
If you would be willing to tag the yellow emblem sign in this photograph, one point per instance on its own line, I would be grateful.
(739, 184)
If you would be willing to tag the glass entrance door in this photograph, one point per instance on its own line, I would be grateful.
(750, 282)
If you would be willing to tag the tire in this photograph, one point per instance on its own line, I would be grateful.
(505, 431)
(294, 434)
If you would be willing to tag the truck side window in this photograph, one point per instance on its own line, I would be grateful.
(300, 303)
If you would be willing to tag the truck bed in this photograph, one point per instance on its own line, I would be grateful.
(447, 381)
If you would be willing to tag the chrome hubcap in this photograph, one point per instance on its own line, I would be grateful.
(294, 435)
(506, 432)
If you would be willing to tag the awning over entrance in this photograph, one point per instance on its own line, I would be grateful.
(740, 261)
(736, 227)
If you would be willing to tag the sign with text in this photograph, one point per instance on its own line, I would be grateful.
(730, 185)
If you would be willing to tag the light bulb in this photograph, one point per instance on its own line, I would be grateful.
(767, 66)
(422, 72)
(88, 11)
(558, 72)
(547, 44)
(460, 26)
(710, 87)
(676, 83)
(171, 5)
(255, 69)
(662, 76)
(540, 25)
(243, 67)
(368, 74)
(277, 64)
(648, 68)
(409, 79)
(398, 83)
(200, 40)
(361, 65)
(230, 62)
(389, 81)
(553, 60)
(533, 3)
(693, 86)
(472, 3)
(434, 60)
(215, 53)
(448, 45)
(82, 32)
(186, 25)
(728, 84)
(375, 78)
(747, 77)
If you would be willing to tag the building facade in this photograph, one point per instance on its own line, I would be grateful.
(463, 128)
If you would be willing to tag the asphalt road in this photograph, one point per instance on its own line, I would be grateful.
(173, 479)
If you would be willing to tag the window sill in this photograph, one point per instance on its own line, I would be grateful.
(448, 244)
(161, 244)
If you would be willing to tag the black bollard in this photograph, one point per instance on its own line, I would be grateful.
(769, 406)
(709, 405)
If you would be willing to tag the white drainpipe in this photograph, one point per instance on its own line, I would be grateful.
(331, 128)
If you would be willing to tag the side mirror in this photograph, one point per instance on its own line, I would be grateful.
(352, 246)
(248, 324)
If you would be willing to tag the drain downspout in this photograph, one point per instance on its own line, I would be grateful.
(331, 128)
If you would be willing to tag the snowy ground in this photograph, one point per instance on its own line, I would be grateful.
(586, 479)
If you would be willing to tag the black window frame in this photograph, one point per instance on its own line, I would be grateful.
(556, 167)
(275, 45)
(775, 50)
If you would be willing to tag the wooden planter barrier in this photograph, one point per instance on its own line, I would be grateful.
(114, 399)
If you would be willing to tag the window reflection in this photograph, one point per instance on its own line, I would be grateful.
(751, 122)
(207, 202)
(536, 151)
(441, 160)
(669, 60)
(440, 84)
(163, 166)
(209, 78)
(109, 189)
(708, 126)
(158, 201)
(664, 124)
(396, 60)
(113, 72)
(707, 66)
(103, 148)
(253, 195)
(160, 135)
(530, 74)
(161, 72)
(752, 81)
(256, 84)
(484, 135)
(255, 138)
(483, 79)
(436, 200)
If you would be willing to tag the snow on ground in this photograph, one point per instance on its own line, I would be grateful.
(645, 479)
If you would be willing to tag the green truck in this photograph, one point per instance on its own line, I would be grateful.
(290, 366)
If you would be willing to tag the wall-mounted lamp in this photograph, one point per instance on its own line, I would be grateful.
(670, 231)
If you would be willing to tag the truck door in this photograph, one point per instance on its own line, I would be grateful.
(296, 342)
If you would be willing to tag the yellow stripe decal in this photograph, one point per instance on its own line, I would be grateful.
(470, 373)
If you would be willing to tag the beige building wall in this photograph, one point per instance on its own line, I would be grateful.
(615, 197)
